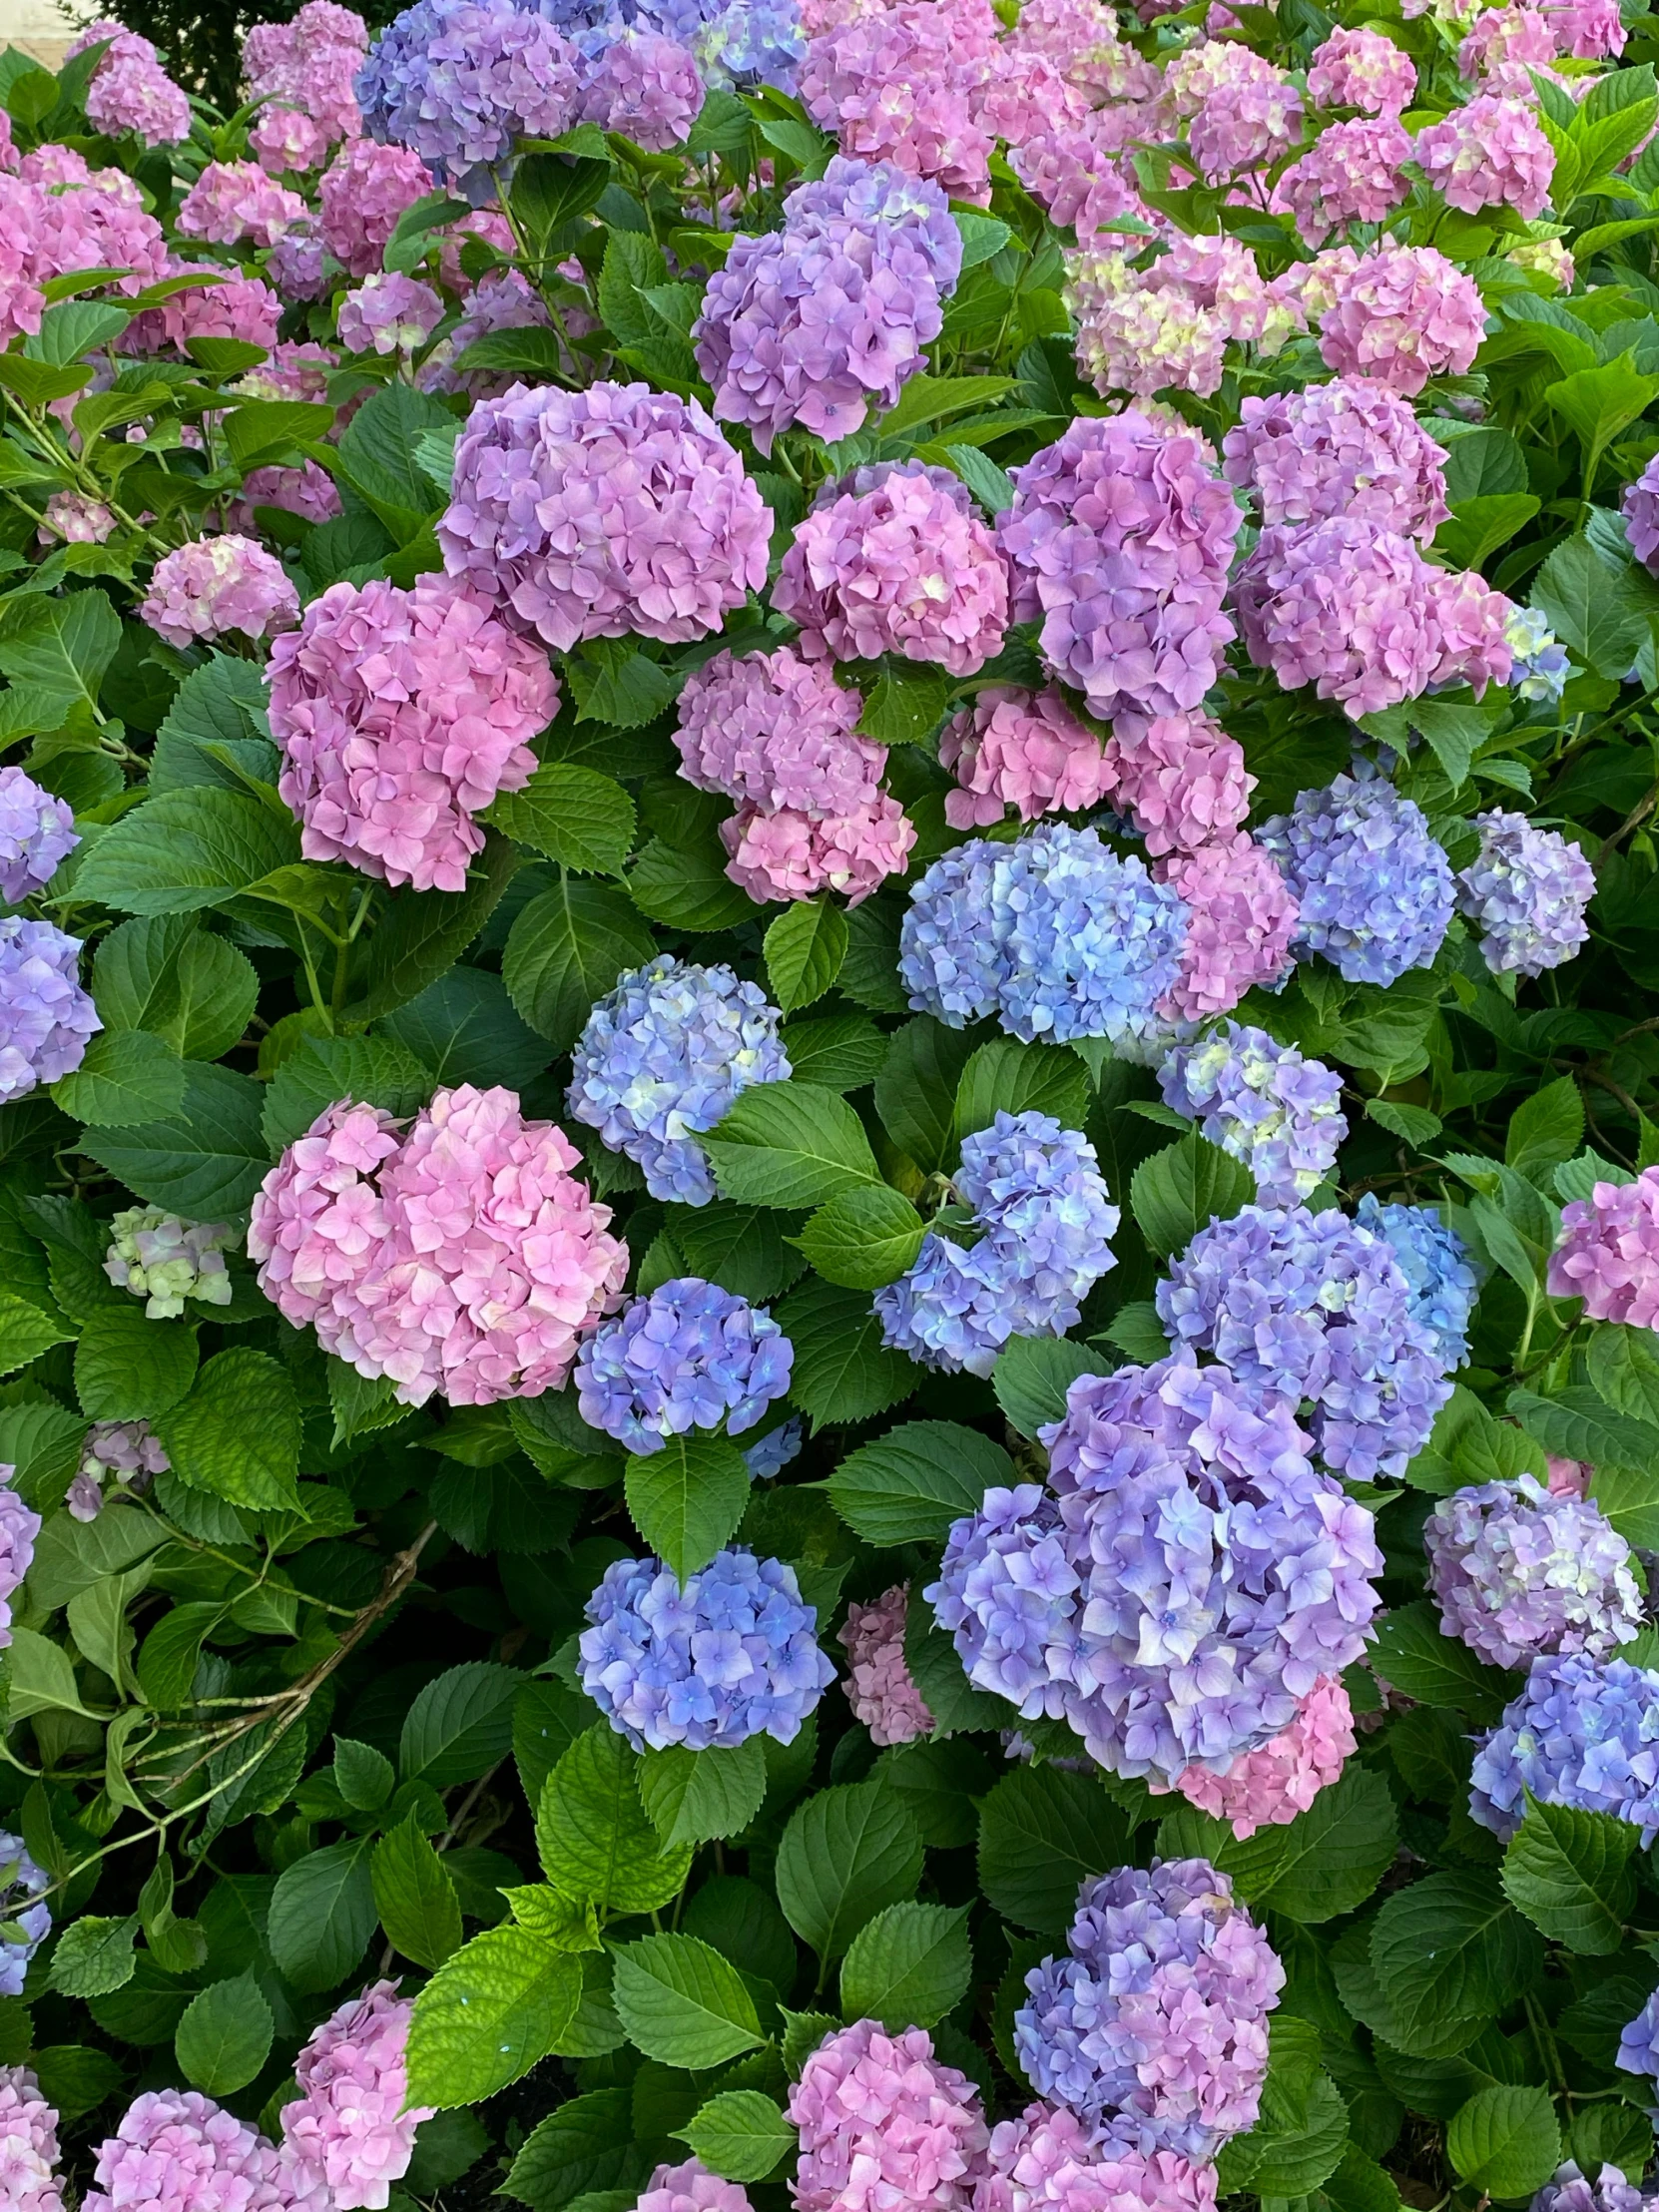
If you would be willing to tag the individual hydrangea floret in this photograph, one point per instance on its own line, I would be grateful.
(1025, 750)
(645, 87)
(457, 81)
(1375, 887)
(690, 1356)
(729, 1656)
(778, 732)
(1583, 1732)
(37, 831)
(350, 2131)
(662, 1058)
(1526, 891)
(214, 586)
(1361, 69)
(1048, 2161)
(790, 853)
(879, 1687)
(25, 1919)
(1436, 1263)
(389, 312)
(1263, 1103)
(1241, 923)
(1491, 153)
(175, 2147)
(1351, 448)
(1155, 2024)
(1269, 1786)
(1608, 1254)
(29, 2180)
(1352, 173)
(884, 2124)
(164, 1259)
(44, 1015)
(1519, 1573)
(1402, 313)
(119, 1459)
(1179, 779)
(590, 514)
(1312, 1307)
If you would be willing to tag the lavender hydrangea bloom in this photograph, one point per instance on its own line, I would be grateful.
(663, 1057)
(1526, 891)
(1583, 1732)
(1539, 670)
(1045, 1220)
(730, 1656)
(1639, 2055)
(1154, 2025)
(1571, 2190)
(769, 1455)
(857, 194)
(1375, 887)
(1263, 1103)
(19, 1526)
(690, 1356)
(44, 1015)
(744, 42)
(36, 832)
(1519, 1573)
(1007, 1595)
(456, 81)
(1313, 1306)
(1436, 1263)
(24, 1923)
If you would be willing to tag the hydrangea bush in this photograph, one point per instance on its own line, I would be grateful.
(829, 1110)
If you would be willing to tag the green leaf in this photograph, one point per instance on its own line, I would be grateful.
(94, 1956)
(805, 948)
(910, 1485)
(615, 684)
(375, 1071)
(216, 732)
(549, 190)
(1293, 2163)
(908, 1967)
(1414, 1125)
(843, 1371)
(1569, 1871)
(167, 975)
(414, 1896)
(864, 1237)
(565, 950)
(131, 1368)
(700, 1797)
(682, 2003)
(1478, 527)
(237, 1433)
(1597, 403)
(789, 1144)
(364, 1777)
(1043, 1832)
(915, 1092)
(846, 1854)
(931, 399)
(377, 456)
(62, 647)
(688, 1499)
(224, 2036)
(1183, 1189)
(593, 1834)
(1415, 1653)
(1450, 1949)
(1577, 1423)
(26, 1332)
(1032, 1376)
(322, 1914)
(1629, 1499)
(905, 705)
(583, 2145)
(739, 2135)
(1546, 1128)
(1326, 1862)
(1506, 2140)
(577, 817)
(205, 1161)
(1005, 1076)
(489, 2013)
(1589, 608)
(463, 1030)
(1624, 1367)
(183, 851)
(125, 1076)
(461, 1725)
(421, 935)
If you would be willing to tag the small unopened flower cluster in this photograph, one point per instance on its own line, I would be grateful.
(1263, 1103)
(119, 1459)
(25, 1919)
(1373, 886)
(1540, 665)
(1581, 1733)
(44, 1015)
(729, 1656)
(214, 586)
(1519, 1573)
(164, 1259)
(690, 1356)
(1526, 891)
(879, 1684)
(883, 2122)
(1609, 1251)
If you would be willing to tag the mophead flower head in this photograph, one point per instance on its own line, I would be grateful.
(1572, 2190)
(44, 1015)
(861, 195)
(790, 853)
(902, 84)
(25, 1918)
(175, 2147)
(1373, 885)
(37, 831)
(776, 731)
(1008, 1597)
(1361, 69)
(1048, 2158)
(350, 2131)
(1180, 780)
(645, 87)
(1583, 1732)
(1351, 448)
(1519, 1573)
(1608, 1254)
(1437, 1265)
(389, 312)
(457, 82)
(214, 586)
(690, 2187)
(29, 2182)
(1343, 605)
(234, 202)
(884, 2125)
(364, 193)
(1352, 173)
(879, 1685)
(1491, 153)
(119, 1459)
(1025, 750)
(1269, 1786)
(1640, 507)
(1401, 314)
(690, 1356)
(19, 1526)
(1526, 891)
(1241, 922)
(164, 1259)
(1263, 1103)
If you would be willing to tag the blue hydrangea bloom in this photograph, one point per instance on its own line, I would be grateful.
(1436, 1262)
(663, 1057)
(952, 959)
(1263, 1103)
(1007, 1596)
(1373, 886)
(44, 1015)
(1314, 1306)
(736, 44)
(1639, 2055)
(732, 1655)
(24, 1923)
(769, 1455)
(1045, 1220)
(690, 1356)
(1583, 1732)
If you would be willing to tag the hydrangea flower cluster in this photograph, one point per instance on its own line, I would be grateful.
(902, 84)
(788, 855)
(125, 1455)
(690, 2187)
(1491, 153)
(1526, 891)
(1300, 1306)
(37, 831)
(645, 87)
(462, 1258)
(879, 1685)
(214, 586)
(1373, 886)
(1609, 1251)
(730, 1656)
(1352, 173)
(401, 714)
(1402, 313)
(44, 1015)
(129, 90)
(1361, 69)
(1271, 1784)
(1582, 1732)
(884, 2122)
(1142, 330)
(1155, 2024)
(1640, 508)
(1242, 921)
(25, 1921)
(1539, 661)
(349, 2133)
(235, 200)
(1025, 750)
(1049, 2158)
(663, 1057)
(203, 2158)
(1042, 1223)
(1180, 779)
(1638, 2053)
(164, 1259)
(364, 193)
(304, 71)
(690, 1356)
(1572, 2190)
(1519, 1573)
(389, 312)
(457, 81)
(1263, 1103)
(1351, 448)
(28, 2145)
(589, 514)
(1437, 1266)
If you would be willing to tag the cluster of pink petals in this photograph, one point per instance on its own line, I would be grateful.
(294, 371)
(879, 1687)
(1491, 153)
(789, 854)
(308, 491)
(348, 2131)
(177, 2151)
(1517, 36)
(1180, 779)
(364, 190)
(304, 70)
(1048, 2157)
(1350, 448)
(1032, 98)
(129, 90)
(1082, 40)
(646, 87)
(1071, 171)
(502, 301)
(216, 585)
(902, 84)
(691, 2187)
(1568, 1477)
(1269, 1786)
(904, 567)
(1609, 1251)
(1243, 919)
(1352, 173)
(50, 229)
(1361, 69)
(401, 714)
(463, 1258)
(74, 518)
(28, 2145)
(1025, 750)
(1471, 624)
(1402, 313)
(232, 306)
(1247, 123)
(1137, 335)
(235, 200)
(389, 312)
(885, 2126)
(776, 731)
(1589, 30)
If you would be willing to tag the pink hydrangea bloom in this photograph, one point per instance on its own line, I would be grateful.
(400, 716)
(1471, 624)
(364, 190)
(1519, 36)
(28, 2145)
(690, 2188)
(1361, 69)
(1066, 168)
(214, 585)
(590, 514)
(1352, 173)
(1048, 2157)
(1609, 1251)
(1137, 335)
(298, 263)
(906, 567)
(1209, 66)
(233, 200)
(1269, 1786)
(1589, 30)
(789, 855)
(177, 2151)
(1179, 778)
(233, 306)
(896, 85)
(1032, 98)
(308, 491)
(348, 2129)
(879, 1684)
(1082, 40)
(466, 1259)
(1024, 749)
(1403, 313)
(1492, 154)
(129, 90)
(306, 69)
(884, 2125)
(1244, 916)
(389, 312)
(1568, 1477)
(1343, 606)
(1351, 448)
(294, 371)
(1220, 274)
(776, 731)
(1246, 123)
(646, 87)
(75, 519)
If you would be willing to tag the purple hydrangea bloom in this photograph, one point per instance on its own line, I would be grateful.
(1519, 1572)
(127, 1455)
(1526, 891)
(855, 194)
(769, 1455)
(1044, 1218)
(1572, 2191)
(1313, 1306)
(44, 1015)
(1583, 1732)
(19, 1526)
(1008, 1595)
(1436, 1263)
(1373, 885)
(24, 1923)
(1263, 1103)
(1640, 508)
(456, 81)
(1638, 2055)
(1350, 448)
(663, 1057)
(36, 832)
(730, 1656)
(743, 43)
(1539, 670)
(1155, 2024)
(690, 1356)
